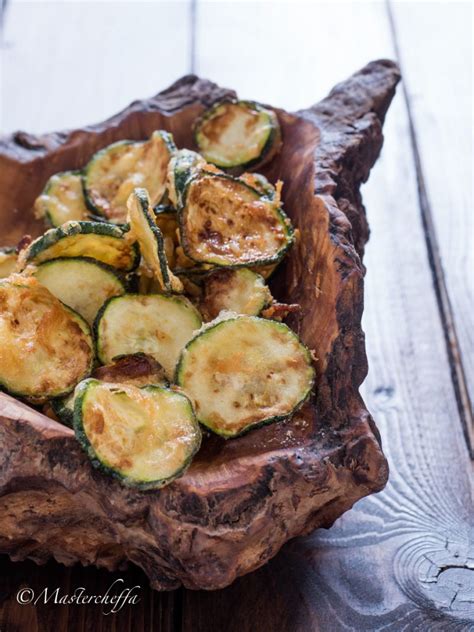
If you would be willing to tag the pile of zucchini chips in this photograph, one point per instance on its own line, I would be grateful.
(143, 313)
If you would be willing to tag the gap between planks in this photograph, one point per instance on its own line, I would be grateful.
(453, 347)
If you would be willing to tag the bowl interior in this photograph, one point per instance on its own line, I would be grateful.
(308, 276)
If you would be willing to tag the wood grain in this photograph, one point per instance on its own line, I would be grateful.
(444, 147)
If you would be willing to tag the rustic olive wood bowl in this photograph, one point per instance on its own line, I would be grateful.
(240, 500)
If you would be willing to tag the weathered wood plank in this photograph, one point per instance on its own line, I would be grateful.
(441, 113)
(402, 559)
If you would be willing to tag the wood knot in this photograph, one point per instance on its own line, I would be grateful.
(439, 575)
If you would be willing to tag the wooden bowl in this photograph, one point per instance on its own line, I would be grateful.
(241, 499)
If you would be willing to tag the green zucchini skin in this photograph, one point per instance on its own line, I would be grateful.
(182, 167)
(51, 237)
(283, 219)
(169, 282)
(238, 290)
(71, 266)
(180, 378)
(164, 209)
(40, 397)
(99, 156)
(258, 182)
(144, 299)
(62, 408)
(81, 393)
(269, 149)
(122, 371)
(46, 209)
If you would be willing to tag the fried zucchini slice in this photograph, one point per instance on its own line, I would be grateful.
(97, 240)
(155, 324)
(244, 371)
(113, 173)
(227, 223)
(238, 290)
(62, 199)
(145, 437)
(238, 135)
(8, 259)
(45, 347)
(184, 164)
(82, 284)
(137, 369)
(63, 408)
(260, 184)
(151, 241)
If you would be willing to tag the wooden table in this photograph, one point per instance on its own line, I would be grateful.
(400, 560)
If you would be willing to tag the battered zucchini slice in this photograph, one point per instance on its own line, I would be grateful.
(8, 259)
(63, 408)
(225, 222)
(113, 173)
(243, 372)
(82, 284)
(62, 199)
(184, 164)
(151, 241)
(155, 324)
(145, 437)
(238, 135)
(260, 184)
(239, 290)
(137, 369)
(167, 221)
(97, 240)
(45, 347)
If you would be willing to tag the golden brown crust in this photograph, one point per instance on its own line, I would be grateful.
(224, 222)
(138, 369)
(45, 348)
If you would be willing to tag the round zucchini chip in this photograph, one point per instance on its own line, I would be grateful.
(155, 324)
(150, 240)
(8, 259)
(62, 199)
(225, 222)
(45, 347)
(244, 371)
(96, 240)
(238, 135)
(146, 437)
(238, 290)
(137, 369)
(113, 173)
(82, 284)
